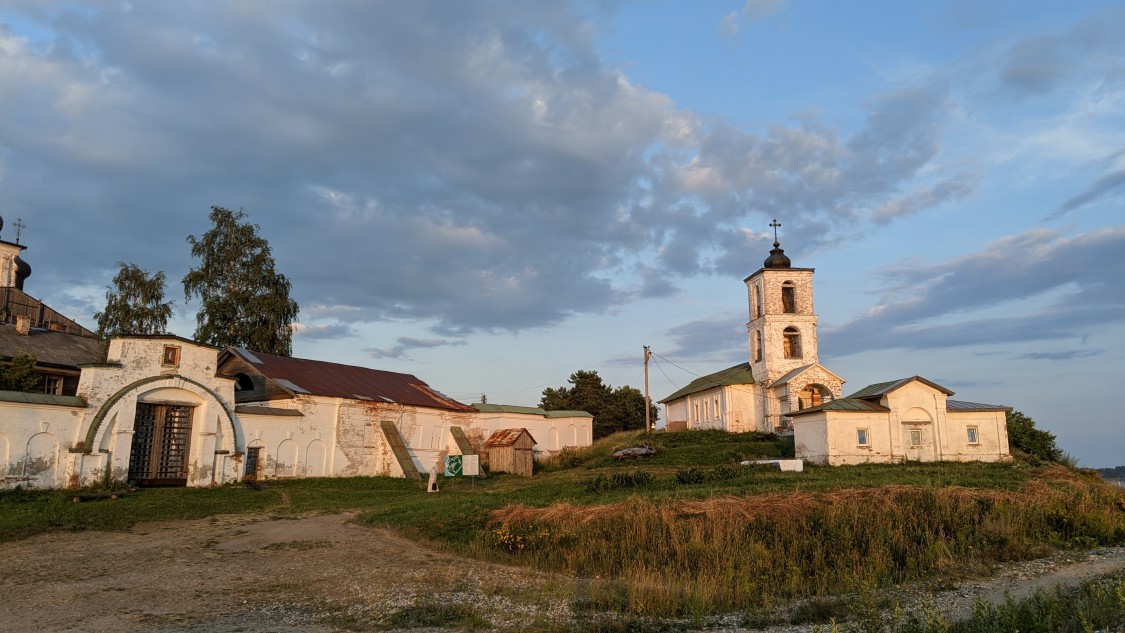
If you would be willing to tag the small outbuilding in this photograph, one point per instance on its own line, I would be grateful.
(510, 451)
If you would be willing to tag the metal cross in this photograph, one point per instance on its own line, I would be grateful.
(19, 228)
(775, 224)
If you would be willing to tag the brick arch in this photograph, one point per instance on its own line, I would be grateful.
(111, 404)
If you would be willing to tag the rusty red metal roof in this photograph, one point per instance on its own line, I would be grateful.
(321, 378)
(506, 437)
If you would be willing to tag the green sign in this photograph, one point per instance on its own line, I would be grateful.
(453, 466)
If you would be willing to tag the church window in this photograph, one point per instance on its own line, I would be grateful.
(813, 396)
(716, 408)
(915, 437)
(788, 297)
(756, 302)
(696, 411)
(972, 435)
(757, 345)
(861, 437)
(792, 342)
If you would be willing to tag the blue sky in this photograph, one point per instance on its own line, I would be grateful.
(492, 195)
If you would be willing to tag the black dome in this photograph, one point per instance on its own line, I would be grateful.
(777, 258)
(23, 271)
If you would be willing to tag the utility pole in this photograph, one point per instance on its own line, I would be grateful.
(648, 406)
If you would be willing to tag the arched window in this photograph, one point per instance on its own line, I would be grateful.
(813, 396)
(788, 298)
(757, 345)
(755, 302)
(792, 342)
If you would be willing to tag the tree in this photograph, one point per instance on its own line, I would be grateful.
(614, 410)
(245, 302)
(1023, 436)
(135, 304)
(20, 375)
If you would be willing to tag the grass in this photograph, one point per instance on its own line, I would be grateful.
(685, 533)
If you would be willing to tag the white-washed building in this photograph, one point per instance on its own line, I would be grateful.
(784, 389)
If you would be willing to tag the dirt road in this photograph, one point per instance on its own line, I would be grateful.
(254, 573)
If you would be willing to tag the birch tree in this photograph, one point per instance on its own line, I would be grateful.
(244, 302)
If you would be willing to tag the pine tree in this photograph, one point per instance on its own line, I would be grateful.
(245, 302)
(620, 409)
(20, 375)
(135, 304)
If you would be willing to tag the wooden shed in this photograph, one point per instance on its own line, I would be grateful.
(510, 451)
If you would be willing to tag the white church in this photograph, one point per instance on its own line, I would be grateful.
(784, 389)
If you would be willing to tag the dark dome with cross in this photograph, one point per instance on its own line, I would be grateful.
(777, 258)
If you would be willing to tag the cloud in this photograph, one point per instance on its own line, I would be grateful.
(405, 344)
(1107, 186)
(1063, 355)
(322, 332)
(923, 198)
(476, 167)
(1080, 275)
(720, 339)
(1035, 65)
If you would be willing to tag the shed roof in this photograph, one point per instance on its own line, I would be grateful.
(24, 397)
(506, 437)
(50, 347)
(322, 378)
(738, 375)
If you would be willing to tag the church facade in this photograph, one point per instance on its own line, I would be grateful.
(784, 389)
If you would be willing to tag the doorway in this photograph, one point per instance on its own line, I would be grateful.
(161, 439)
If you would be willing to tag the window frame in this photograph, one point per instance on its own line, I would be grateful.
(915, 433)
(972, 435)
(863, 437)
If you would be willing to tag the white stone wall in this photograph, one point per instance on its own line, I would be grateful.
(34, 445)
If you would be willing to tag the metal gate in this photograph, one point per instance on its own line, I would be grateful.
(161, 438)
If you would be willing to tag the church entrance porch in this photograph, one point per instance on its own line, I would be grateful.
(161, 439)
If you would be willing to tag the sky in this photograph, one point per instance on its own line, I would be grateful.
(493, 195)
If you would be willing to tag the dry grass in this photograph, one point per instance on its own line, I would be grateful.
(698, 556)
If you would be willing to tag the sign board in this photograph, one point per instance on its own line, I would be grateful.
(462, 465)
(453, 466)
(471, 465)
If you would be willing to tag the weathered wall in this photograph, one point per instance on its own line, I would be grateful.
(551, 434)
(34, 443)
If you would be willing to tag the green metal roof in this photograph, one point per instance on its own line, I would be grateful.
(738, 375)
(511, 408)
(42, 398)
(879, 389)
(961, 405)
(845, 404)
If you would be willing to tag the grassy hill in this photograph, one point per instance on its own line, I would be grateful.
(688, 531)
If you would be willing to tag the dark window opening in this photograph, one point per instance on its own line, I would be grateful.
(788, 298)
(792, 342)
(243, 383)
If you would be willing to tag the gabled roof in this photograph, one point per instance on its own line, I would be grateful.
(50, 347)
(506, 437)
(961, 405)
(738, 375)
(511, 408)
(880, 389)
(800, 370)
(322, 378)
(844, 404)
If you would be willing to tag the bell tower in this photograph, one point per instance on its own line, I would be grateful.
(782, 326)
(13, 270)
